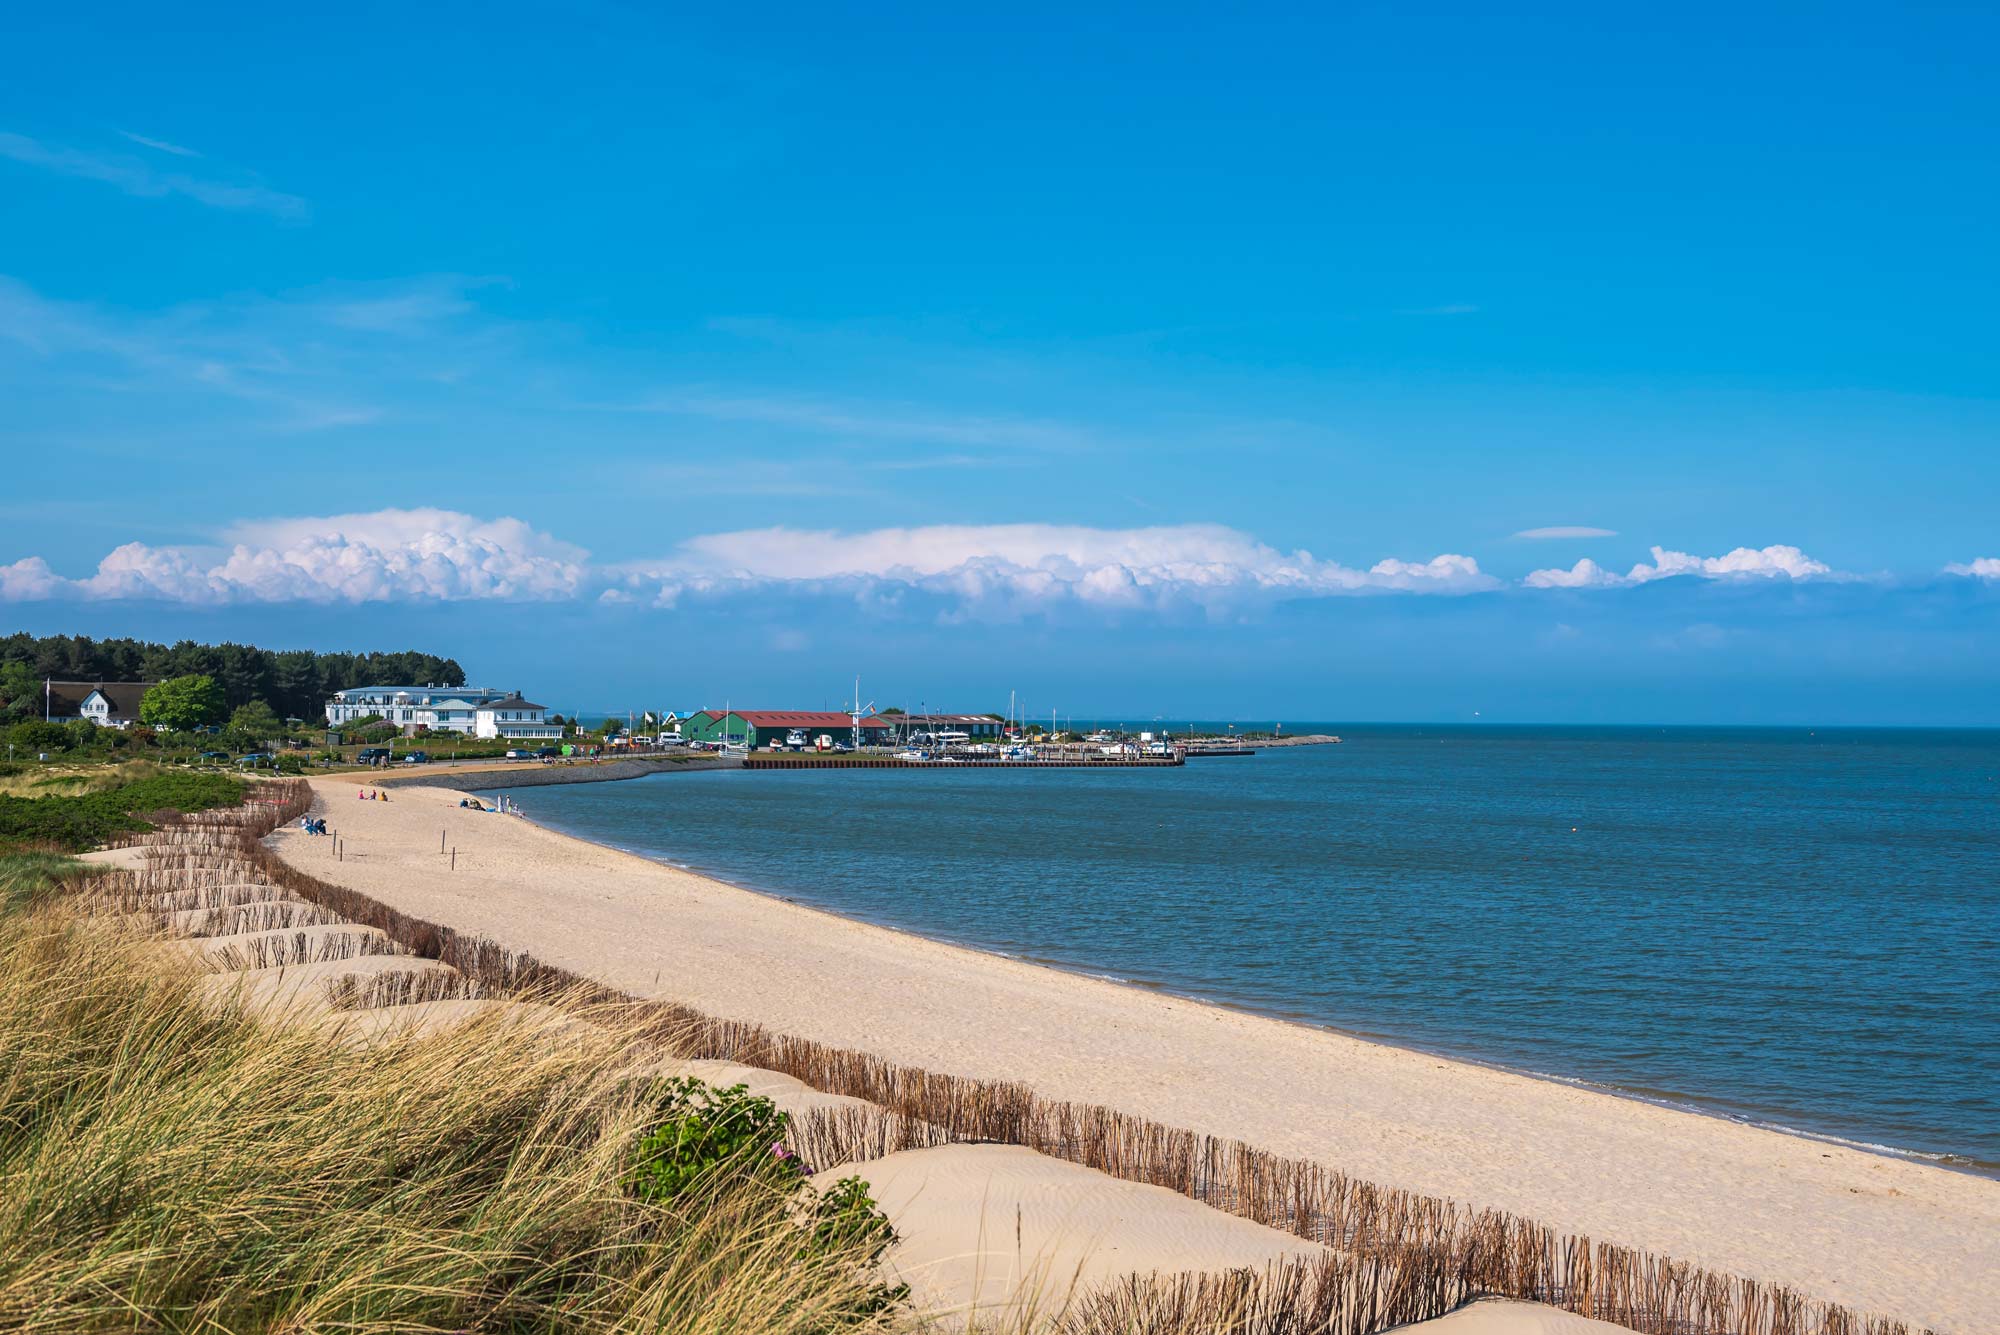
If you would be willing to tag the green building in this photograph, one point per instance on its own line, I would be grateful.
(767, 727)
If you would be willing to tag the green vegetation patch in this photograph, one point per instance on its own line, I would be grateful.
(75, 822)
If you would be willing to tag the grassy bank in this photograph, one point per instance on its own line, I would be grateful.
(73, 811)
(171, 1165)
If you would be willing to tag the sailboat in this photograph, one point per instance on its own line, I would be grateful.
(730, 746)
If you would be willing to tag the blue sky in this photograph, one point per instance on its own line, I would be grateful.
(1166, 363)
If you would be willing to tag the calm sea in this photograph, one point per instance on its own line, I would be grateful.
(1796, 928)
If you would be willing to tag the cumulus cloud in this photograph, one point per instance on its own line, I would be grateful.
(28, 580)
(1585, 574)
(418, 555)
(1199, 564)
(1744, 563)
(1984, 567)
(384, 556)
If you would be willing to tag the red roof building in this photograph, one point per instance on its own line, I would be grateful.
(761, 727)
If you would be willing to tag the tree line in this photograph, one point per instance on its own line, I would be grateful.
(293, 682)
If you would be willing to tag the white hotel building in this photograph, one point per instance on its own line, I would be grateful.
(473, 710)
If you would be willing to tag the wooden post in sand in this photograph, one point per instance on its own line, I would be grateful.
(454, 859)
(440, 841)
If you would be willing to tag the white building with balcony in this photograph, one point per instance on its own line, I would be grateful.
(439, 708)
(516, 720)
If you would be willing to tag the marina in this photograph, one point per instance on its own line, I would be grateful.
(781, 760)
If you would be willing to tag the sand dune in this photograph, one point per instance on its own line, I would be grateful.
(791, 1095)
(267, 916)
(1502, 1316)
(435, 1017)
(1888, 1236)
(303, 945)
(130, 859)
(996, 1229)
(304, 988)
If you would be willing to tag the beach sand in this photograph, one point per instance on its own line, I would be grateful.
(996, 1229)
(1886, 1236)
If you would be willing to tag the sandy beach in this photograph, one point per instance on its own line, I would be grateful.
(1886, 1236)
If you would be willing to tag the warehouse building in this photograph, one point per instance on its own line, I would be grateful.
(972, 725)
(767, 727)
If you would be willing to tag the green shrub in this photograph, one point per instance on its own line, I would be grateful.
(705, 1137)
(703, 1132)
(84, 820)
(35, 737)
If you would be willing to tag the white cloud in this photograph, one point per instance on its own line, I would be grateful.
(1984, 567)
(1026, 564)
(28, 580)
(1566, 531)
(1744, 563)
(386, 556)
(420, 555)
(135, 177)
(1585, 574)
(160, 144)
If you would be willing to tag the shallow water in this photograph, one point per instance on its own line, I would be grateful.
(1797, 928)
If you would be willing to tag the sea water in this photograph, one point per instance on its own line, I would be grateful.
(1798, 928)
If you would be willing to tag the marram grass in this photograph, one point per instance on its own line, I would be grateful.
(168, 1166)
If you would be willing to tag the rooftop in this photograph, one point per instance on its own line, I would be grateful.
(796, 718)
(65, 698)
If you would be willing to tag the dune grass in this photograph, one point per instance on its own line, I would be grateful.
(168, 1166)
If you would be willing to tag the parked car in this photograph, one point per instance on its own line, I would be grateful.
(547, 753)
(254, 759)
(519, 753)
(370, 755)
(215, 755)
(417, 758)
